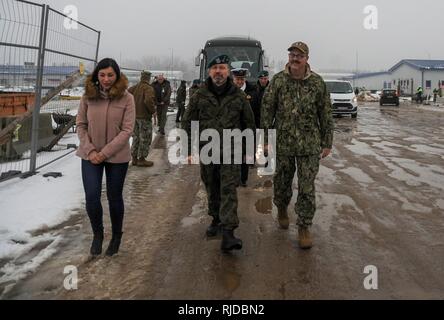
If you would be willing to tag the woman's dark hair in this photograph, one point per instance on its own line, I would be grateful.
(103, 64)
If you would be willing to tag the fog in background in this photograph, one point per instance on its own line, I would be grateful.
(151, 34)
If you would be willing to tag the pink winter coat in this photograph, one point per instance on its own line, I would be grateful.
(106, 125)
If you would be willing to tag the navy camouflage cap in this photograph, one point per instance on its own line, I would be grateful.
(263, 73)
(222, 59)
(240, 72)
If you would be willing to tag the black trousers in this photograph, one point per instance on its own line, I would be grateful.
(92, 183)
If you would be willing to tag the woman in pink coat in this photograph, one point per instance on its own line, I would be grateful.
(105, 122)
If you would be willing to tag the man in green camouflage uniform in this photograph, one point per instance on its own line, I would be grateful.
(220, 105)
(297, 104)
(143, 130)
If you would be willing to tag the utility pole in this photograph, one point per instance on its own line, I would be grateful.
(172, 61)
(356, 69)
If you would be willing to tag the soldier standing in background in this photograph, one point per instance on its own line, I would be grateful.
(194, 87)
(181, 96)
(162, 88)
(297, 104)
(435, 95)
(256, 100)
(143, 130)
(239, 79)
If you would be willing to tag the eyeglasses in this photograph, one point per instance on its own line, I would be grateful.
(297, 56)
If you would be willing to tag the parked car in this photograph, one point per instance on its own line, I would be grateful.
(343, 98)
(389, 96)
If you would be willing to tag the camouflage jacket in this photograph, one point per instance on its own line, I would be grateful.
(144, 98)
(232, 111)
(300, 111)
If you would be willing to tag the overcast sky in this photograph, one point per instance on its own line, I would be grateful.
(333, 30)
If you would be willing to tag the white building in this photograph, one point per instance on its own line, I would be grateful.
(174, 77)
(406, 76)
(23, 77)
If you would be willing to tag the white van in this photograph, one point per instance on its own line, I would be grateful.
(343, 99)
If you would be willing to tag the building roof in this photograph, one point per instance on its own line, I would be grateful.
(417, 64)
(420, 64)
(32, 70)
(367, 74)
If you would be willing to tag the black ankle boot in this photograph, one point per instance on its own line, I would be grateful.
(229, 241)
(114, 244)
(96, 246)
(213, 228)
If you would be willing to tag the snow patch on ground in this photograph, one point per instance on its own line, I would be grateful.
(440, 204)
(11, 272)
(408, 171)
(358, 175)
(198, 211)
(34, 204)
(431, 149)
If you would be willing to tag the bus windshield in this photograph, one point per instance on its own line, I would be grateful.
(240, 57)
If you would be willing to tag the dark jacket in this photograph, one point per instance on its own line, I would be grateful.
(250, 91)
(256, 102)
(193, 89)
(162, 91)
(181, 95)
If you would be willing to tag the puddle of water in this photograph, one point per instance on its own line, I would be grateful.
(264, 206)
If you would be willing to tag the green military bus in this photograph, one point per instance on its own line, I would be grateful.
(244, 52)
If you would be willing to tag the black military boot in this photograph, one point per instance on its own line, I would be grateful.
(229, 241)
(114, 244)
(213, 228)
(96, 246)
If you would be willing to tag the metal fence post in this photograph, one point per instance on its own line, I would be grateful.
(38, 89)
(97, 50)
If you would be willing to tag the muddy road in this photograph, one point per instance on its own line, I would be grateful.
(380, 203)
